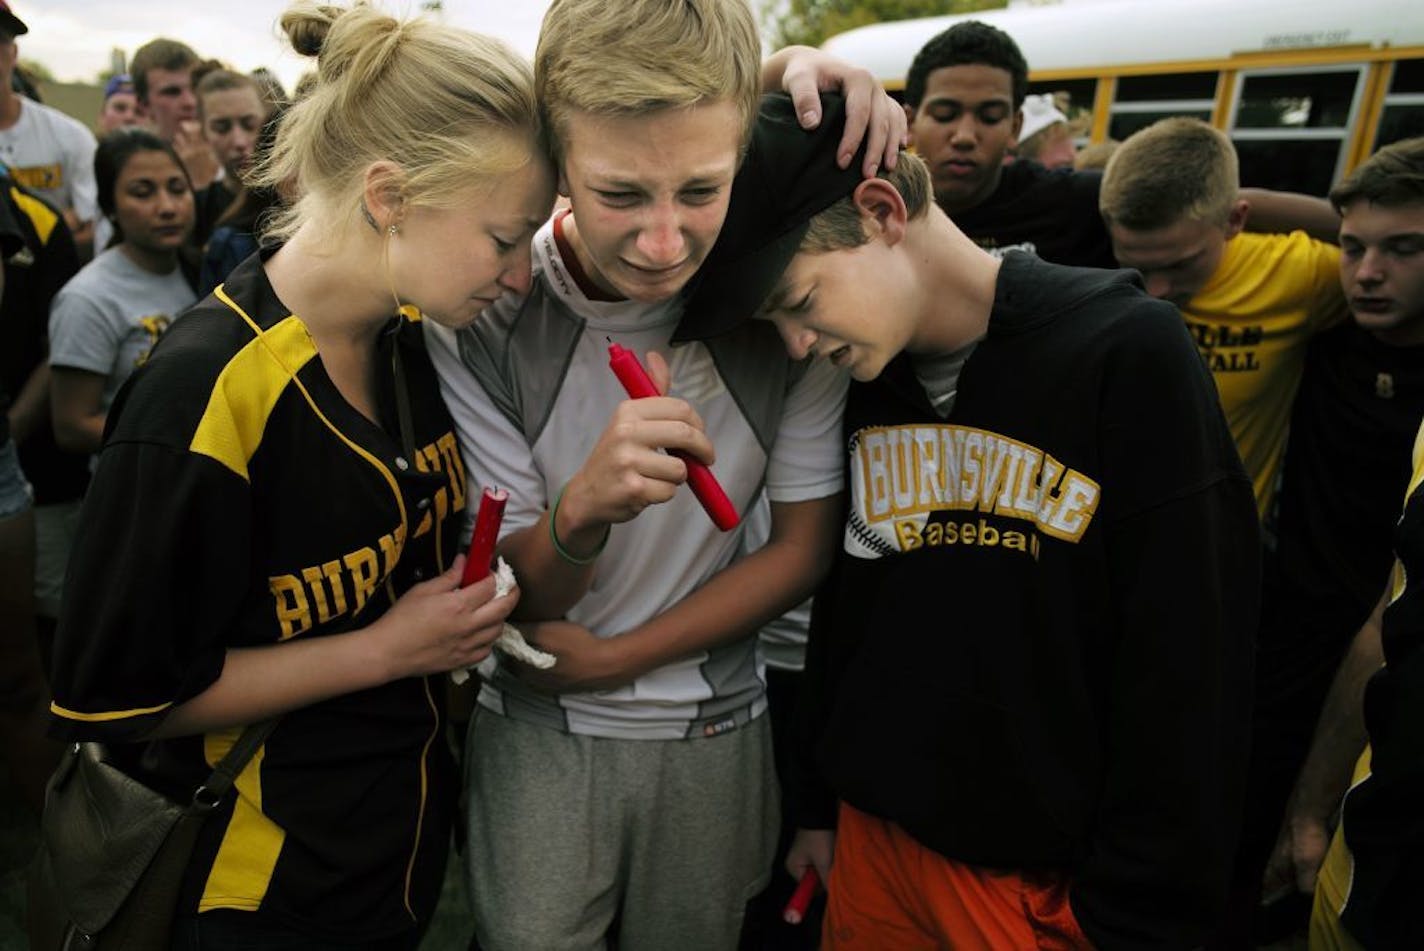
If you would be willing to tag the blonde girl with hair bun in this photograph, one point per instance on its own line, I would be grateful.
(273, 526)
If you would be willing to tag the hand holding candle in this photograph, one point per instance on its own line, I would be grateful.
(477, 563)
(795, 911)
(700, 479)
(477, 568)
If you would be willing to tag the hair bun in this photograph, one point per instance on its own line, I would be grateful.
(355, 44)
(307, 25)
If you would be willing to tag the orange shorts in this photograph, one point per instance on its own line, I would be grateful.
(888, 891)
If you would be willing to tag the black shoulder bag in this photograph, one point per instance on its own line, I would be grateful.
(113, 852)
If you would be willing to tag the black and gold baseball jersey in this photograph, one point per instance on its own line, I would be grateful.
(35, 269)
(1378, 887)
(239, 500)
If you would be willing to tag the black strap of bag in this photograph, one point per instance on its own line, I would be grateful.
(113, 852)
(226, 772)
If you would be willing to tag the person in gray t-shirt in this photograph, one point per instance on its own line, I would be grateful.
(104, 322)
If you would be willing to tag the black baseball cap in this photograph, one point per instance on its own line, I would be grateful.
(789, 176)
(9, 23)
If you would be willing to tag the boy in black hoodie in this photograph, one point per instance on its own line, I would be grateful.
(1029, 675)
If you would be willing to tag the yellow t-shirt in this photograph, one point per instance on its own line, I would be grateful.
(1251, 322)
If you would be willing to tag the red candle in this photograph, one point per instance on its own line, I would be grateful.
(700, 479)
(477, 563)
(795, 911)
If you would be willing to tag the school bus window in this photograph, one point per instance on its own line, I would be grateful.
(1305, 166)
(1316, 100)
(1290, 126)
(1398, 123)
(1123, 124)
(1408, 76)
(1160, 86)
(1403, 113)
(1142, 100)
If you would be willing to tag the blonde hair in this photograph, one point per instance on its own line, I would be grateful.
(1174, 169)
(451, 108)
(630, 57)
(839, 226)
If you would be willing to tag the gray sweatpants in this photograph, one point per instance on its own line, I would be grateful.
(566, 832)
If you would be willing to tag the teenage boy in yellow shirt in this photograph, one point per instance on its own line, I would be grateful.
(1171, 201)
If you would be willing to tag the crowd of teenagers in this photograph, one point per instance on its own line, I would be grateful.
(1065, 497)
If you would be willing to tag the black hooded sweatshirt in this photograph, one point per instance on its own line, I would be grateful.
(1034, 651)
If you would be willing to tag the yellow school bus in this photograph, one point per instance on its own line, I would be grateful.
(1307, 89)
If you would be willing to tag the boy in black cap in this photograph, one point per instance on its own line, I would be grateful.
(1029, 674)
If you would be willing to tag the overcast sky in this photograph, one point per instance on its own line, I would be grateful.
(74, 37)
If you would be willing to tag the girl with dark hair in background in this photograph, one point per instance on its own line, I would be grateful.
(107, 318)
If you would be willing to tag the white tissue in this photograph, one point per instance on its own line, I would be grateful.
(510, 640)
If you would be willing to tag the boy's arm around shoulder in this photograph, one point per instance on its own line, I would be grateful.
(871, 114)
(1183, 562)
(1283, 212)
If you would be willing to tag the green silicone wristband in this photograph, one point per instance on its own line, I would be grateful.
(563, 552)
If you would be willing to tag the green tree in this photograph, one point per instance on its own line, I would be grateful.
(811, 22)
